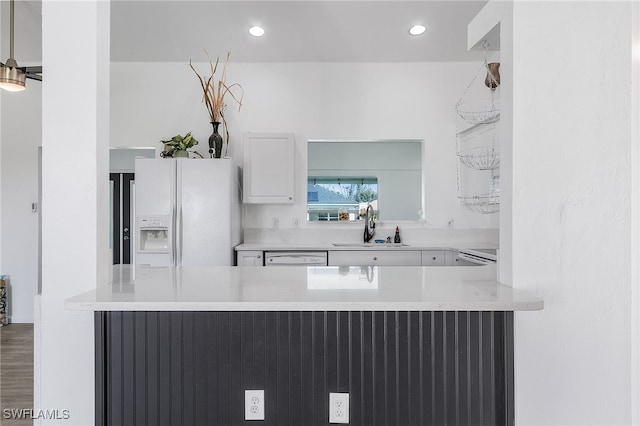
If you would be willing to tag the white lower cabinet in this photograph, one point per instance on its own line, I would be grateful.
(450, 257)
(377, 257)
(250, 258)
(368, 257)
(433, 258)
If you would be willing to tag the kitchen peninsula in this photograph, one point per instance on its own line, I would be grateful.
(411, 345)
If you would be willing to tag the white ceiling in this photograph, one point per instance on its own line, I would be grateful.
(296, 31)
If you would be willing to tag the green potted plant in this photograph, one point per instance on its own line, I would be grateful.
(178, 147)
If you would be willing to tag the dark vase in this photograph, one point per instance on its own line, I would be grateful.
(215, 141)
(493, 75)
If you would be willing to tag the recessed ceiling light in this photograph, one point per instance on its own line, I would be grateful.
(256, 31)
(417, 30)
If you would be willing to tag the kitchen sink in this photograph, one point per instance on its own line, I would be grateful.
(381, 245)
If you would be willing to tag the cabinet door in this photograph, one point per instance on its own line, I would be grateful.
(268, 169)
(450, 257)
(250, 258)
(433, 258)
(374, 257)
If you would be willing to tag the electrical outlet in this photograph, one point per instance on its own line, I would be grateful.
(275, 222)
(296, 222)
(339, 408)
(254, 404)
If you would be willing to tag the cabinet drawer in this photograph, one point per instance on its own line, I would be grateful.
(377, 257)
(433, 258)
(250, 258)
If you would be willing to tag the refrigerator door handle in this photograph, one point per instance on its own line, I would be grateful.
(172, 237)
(178, 201)
(176, 212)
(179, 239)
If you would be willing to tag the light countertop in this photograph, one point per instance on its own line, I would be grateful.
(301, 288)
(361, 246)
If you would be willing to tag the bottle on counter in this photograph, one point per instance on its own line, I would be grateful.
(396, 238)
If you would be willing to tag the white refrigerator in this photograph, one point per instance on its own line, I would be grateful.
(187, 212)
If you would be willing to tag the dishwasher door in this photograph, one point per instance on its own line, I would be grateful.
(471, 259)
(295, 258)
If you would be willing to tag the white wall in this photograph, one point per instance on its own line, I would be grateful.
(315, 101)
(21, 135)
(494, 23)
(635, 217)
(572, 223)
(75, 135)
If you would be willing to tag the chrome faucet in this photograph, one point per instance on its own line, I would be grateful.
(369, 225)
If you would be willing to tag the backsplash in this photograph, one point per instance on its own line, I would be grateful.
(325, 234)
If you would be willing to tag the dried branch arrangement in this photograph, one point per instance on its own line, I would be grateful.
(216, 91)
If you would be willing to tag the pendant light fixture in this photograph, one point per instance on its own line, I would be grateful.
(12, 77)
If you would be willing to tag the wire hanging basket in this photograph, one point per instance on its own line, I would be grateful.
(485, 204)
(481, 158)
(481, 109)
(485, 110)
(478, 147)
(479, 190)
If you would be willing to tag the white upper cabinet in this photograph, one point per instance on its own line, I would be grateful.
(268, 172)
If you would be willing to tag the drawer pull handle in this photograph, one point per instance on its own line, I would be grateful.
(375, 258)
(434, 258)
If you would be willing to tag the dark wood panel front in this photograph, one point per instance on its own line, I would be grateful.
(399, 368)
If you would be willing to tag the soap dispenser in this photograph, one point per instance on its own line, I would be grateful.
(396, 239)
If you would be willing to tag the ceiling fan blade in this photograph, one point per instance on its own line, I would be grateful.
(36, 70)
(34, 73)
(34, 76)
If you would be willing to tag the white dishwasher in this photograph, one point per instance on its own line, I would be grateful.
(295, 258)
(476, 257)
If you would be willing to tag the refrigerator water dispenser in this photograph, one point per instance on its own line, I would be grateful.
(154, 234)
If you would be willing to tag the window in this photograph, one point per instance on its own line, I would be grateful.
(340, 198)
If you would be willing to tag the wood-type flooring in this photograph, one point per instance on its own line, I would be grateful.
(16, 372)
